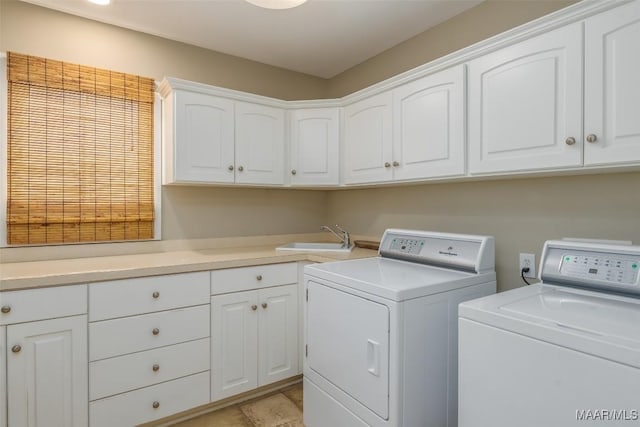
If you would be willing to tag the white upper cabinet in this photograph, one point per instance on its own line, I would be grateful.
(259, 144)
(203, 139)
(555, 96)
(211, 139)
(367, 144)
(429, 127)
(314, 146)
(525, 105)
(612, 86)
(416, 131)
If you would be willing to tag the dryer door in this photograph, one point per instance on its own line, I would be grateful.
(348, 344)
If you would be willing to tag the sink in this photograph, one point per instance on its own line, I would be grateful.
(314, 247)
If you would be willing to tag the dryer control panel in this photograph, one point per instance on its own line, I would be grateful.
(457, 251)
(608, 267)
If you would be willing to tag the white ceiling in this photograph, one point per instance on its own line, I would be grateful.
(321, 37)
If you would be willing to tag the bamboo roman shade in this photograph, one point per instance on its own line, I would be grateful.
(80, 153)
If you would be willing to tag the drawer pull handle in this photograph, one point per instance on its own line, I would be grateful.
(156, 405)
(570, 141)
(254, 307)
(156, 368)
(396, 164)
(16, 348)
(592, 138)
(259, 277)
(387, 164)
(5, 309)
(264, 305)
(155, 331)
(156, 294)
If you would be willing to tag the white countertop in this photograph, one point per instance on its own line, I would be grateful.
(37, 274)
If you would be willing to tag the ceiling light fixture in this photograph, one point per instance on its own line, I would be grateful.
(276, 4)
(100, 2)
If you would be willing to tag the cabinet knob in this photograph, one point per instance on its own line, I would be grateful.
(16, 348)
(156, 405)
(264, 305)
(592, 138)
(240, 168)
(230, 167)
(5, 309)
(387, 164)
(259, 277)
(156, 294)
(570, 141)
(156, 368)
(396, 164)
(155, 331)
(293, 172)
(254, 307)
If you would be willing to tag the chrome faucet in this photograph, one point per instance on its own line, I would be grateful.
(346, 240)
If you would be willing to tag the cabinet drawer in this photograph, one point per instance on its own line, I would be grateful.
(120, 298)
(117, 337)
(137, 406)
(40, 304)
(120, 374)
(246, 278)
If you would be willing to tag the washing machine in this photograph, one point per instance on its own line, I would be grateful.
(564, 352)
(381, 333)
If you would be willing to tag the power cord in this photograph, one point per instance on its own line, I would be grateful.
(524, 270)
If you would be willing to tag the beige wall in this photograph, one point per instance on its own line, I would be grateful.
(483, 21)
(520, 213)
(202, 212)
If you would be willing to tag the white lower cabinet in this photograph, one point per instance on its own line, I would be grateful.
(47, 373)
(150, 403)
(254, 333)
(149, 356)
(43, 346)
(3, 384)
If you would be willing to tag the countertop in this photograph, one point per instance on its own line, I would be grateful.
(39, 274)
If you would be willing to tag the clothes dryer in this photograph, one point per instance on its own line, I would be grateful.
(381, 333)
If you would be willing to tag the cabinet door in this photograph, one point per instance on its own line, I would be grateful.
(314, 146)
(278, 333)
(234, 343)
(3, 384)
(47, 373)
(612, 86)
(203, 138)
(259, 144)
(367, 140)
(429, 126)
(525, 101)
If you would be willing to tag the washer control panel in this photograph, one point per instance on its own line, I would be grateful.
(607, 267)
(600, 267)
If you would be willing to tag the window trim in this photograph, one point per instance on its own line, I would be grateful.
(157, 166)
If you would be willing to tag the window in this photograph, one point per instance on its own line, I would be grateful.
(80, 153)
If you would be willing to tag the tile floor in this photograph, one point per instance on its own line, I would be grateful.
(279, 409)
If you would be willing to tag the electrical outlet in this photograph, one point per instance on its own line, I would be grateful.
(528, 260)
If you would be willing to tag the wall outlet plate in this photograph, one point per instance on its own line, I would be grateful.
(528, 260)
